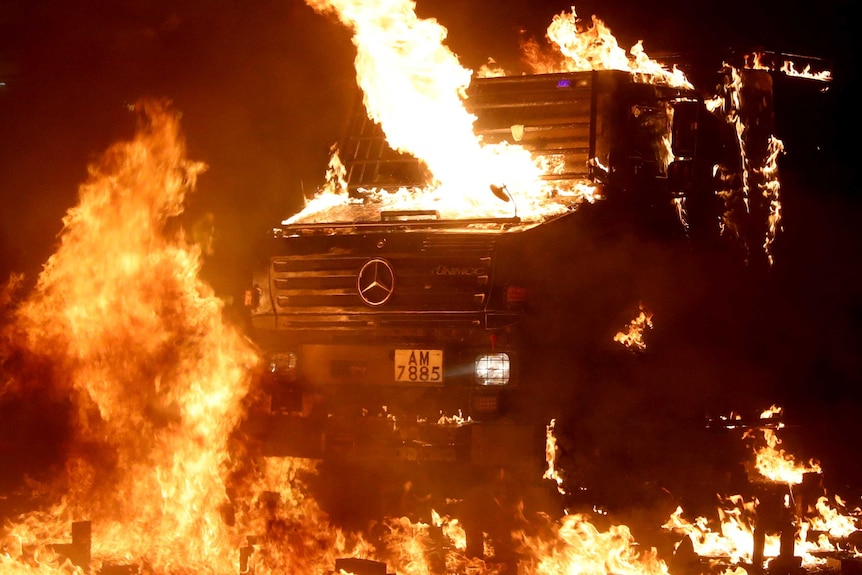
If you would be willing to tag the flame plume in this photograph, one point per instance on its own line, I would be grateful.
(126, 328)
(414, 87)
(731, 536)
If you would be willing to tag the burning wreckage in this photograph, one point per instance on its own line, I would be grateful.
(400, 330)
(411, 316)
(412, 336)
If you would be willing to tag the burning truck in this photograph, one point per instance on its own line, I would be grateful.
(423, 317)
(428, 314)
(410, 331)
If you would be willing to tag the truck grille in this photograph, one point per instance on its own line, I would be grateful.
(438, 279)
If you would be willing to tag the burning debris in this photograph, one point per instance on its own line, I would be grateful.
(402, 66)
(787, 523)
(772, 462)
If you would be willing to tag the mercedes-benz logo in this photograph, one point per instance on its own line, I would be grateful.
(376, 282)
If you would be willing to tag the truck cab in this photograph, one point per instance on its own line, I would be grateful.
(400, 333)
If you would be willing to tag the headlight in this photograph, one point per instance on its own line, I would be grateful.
(492, 369)
(283, 365)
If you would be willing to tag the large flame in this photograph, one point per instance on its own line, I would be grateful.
(414, 87)
(125, 326)
(120, 323)
(157, 476)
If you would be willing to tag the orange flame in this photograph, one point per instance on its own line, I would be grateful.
(733, 538)
(414, 87)
(764, 61)
(158, 381)
(578, 546)
(831, 521)
(772, 462)
(594, 47)
(770, 189)
(632, 336)
(789, 68)
(551, 458)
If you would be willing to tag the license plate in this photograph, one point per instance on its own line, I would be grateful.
(419, 365)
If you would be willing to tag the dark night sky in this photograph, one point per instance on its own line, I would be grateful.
(265, 88)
